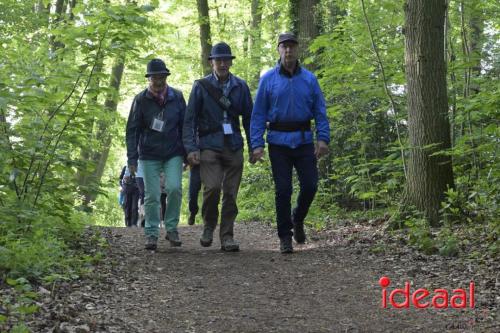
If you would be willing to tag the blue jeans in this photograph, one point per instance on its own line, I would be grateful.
(173, 187)
(283, 160)
(194, 189)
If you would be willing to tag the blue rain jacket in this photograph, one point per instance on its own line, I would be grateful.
(284, 98)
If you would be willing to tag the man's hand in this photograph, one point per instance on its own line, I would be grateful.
(132, 169)
(250, 158)
(257, 155)
(194, 158)
(321, 149)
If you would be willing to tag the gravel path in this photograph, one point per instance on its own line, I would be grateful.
(325, 286)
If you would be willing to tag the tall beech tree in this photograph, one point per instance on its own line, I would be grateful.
(430, 171)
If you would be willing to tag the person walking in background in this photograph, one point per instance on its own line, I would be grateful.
(154, 136)
(163, 199)
(212, 138)
(139, 177)
(288, 98)
(194, 189)
(131, 197)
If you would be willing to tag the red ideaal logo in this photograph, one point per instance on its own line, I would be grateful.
(439, 298)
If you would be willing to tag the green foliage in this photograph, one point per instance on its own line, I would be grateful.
(55, 114)
(18, 303)
(256, 195)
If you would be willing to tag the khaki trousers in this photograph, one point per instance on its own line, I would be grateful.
(220, 171)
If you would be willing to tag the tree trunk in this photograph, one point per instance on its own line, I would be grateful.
(84, 175)
(54, 44)
(71, 6)
(476, 23)
(304, 25)
(255, 43)
(205, 40)
(101, 156)
(428, 124)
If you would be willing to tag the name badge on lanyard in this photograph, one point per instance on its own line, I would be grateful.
(228, 129)
(158, 124)
(226, 126)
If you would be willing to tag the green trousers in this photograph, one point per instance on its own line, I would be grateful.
(172, 169)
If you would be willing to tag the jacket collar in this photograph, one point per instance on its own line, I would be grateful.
(282, 70)
(232, 80)
(170, 94)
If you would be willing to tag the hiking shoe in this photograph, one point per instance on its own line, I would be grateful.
(298, 233)
(173, 238)
(191, 219)
(151, 243)
(207, 237)
(286, 245)
(230, 245)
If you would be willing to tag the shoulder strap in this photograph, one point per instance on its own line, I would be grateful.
(217, 95)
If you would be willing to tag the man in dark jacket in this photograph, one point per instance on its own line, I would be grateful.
(154, 135)
(130, 189)
(288, 98)
(212, 138)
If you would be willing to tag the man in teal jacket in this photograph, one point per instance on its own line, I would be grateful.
(288, 98)
(154, 135)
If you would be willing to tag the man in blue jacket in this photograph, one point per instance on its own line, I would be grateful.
(288, 98)
(212, 139)
(154, 135)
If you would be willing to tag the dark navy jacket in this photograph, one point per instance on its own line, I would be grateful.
(147, 144)
(204, 117)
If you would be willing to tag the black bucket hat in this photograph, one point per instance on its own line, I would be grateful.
(156, 66)
(287, 37)
(221, 50)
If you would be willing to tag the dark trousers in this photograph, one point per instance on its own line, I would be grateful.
(283, 160)
(194, 189)
(130, 207)
(220, 171)
(163, 205)
(140, 186)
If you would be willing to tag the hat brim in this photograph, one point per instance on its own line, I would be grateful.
(219, 56)
(154, 73)
(293, 40)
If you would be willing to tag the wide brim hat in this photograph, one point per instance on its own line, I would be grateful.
(221, 50)
(156, 66)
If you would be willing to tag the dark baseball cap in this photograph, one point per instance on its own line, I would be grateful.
(287, 37)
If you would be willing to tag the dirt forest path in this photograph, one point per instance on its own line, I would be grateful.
(325, 286)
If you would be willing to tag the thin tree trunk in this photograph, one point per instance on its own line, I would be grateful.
(450, 58)
(69, 10)
(466, 49)
(255, 43)
(101, 156)
(54, 44)
(386, 88)
(304, 25)
(205, 36)
(429, 175)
